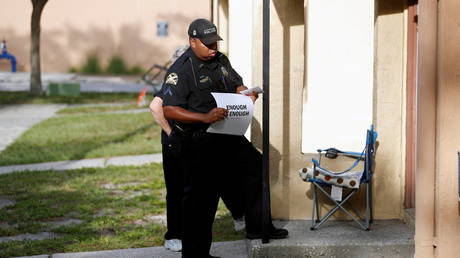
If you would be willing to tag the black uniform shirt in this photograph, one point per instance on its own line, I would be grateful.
(190, 81)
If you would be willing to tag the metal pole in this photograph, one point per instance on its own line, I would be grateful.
(266, 123)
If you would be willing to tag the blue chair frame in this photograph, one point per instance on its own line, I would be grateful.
(367, 156)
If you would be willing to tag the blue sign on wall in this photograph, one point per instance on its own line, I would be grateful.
(162, 29)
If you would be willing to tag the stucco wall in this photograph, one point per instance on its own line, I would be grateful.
(389, 108)
(447, 131)
(73, 29)
(291, 197)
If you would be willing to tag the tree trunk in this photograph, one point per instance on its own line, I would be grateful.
(35, 74)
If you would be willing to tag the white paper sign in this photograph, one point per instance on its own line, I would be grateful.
(336, 193)
(240, 109)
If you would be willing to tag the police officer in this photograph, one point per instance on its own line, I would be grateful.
(172, 169)
(214, 163)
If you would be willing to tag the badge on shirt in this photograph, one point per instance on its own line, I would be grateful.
(204, 78)
(172, 79)
(224, 71)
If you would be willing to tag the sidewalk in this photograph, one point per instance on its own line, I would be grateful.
(16, 119)
(136, 160)
(21, 82)
(233, 249)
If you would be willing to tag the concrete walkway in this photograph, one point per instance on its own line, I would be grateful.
(136, 160)
(388, 238)
(16, 119)
(232, 249)
(20, 81)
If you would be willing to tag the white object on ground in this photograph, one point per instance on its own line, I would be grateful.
(239, 224)
(174, 245)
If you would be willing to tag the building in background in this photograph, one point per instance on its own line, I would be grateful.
(142, 32)
(336, 67)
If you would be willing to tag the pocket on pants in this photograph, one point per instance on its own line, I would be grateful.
(175, 143)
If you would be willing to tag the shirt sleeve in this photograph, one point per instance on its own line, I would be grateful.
(160, 93)
(176, 89)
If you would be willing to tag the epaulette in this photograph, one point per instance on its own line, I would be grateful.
(222, 58)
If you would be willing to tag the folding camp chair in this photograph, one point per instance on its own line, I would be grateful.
(322, 179)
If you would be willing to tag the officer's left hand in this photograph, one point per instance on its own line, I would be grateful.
(253, 96)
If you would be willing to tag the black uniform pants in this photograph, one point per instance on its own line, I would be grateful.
(173, 154)
(174, 191)
(218, 164)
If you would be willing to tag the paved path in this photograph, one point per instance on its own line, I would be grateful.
(136, 160)
(21, 82)
(16, 119)
(233, 249)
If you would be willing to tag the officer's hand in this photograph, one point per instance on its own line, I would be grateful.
(253, 96)
(216, 114)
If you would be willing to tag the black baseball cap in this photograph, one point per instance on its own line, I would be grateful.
(205, 30)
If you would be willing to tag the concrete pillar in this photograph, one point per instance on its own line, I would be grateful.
(448, 131)
(426, 129)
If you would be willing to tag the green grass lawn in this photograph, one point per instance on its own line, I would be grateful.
(83, 136)
(114, 205)
(93, 109)
(85, 98)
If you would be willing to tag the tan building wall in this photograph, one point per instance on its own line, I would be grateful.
(291, 197)
(447, 208)
(389, 107)
(438, 204)
(71, 30)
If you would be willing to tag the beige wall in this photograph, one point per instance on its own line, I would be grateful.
(438, 205)
(291, 197)
(389, 108)
(448, 131)
(286, 86)
(73, 29)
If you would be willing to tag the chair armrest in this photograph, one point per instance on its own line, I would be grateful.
(337, 152)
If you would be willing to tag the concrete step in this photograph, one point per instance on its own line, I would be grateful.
(389, 238)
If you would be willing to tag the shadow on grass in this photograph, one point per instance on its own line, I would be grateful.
(222, 229)
(26, 150)
(81, 154)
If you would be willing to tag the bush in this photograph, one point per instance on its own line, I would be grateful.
(136, 70)
(117, 66)
(92, 65)
(73, 70)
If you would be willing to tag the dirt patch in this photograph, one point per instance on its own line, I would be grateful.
(63, 222)
(111, 186)
(104, 212)
(6, 226)
(5, 202)
(157, 219)
(108, 232)
(28, 236)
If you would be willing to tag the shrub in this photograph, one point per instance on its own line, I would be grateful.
(116, 66)
(92, 65)
(136, 70)
(73, 70)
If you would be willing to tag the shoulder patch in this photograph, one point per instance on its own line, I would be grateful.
(172, 78)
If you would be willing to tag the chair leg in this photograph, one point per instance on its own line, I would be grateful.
(339, 206)
(371, 210)
(314, 209)
(317, 207)
(368, 205)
